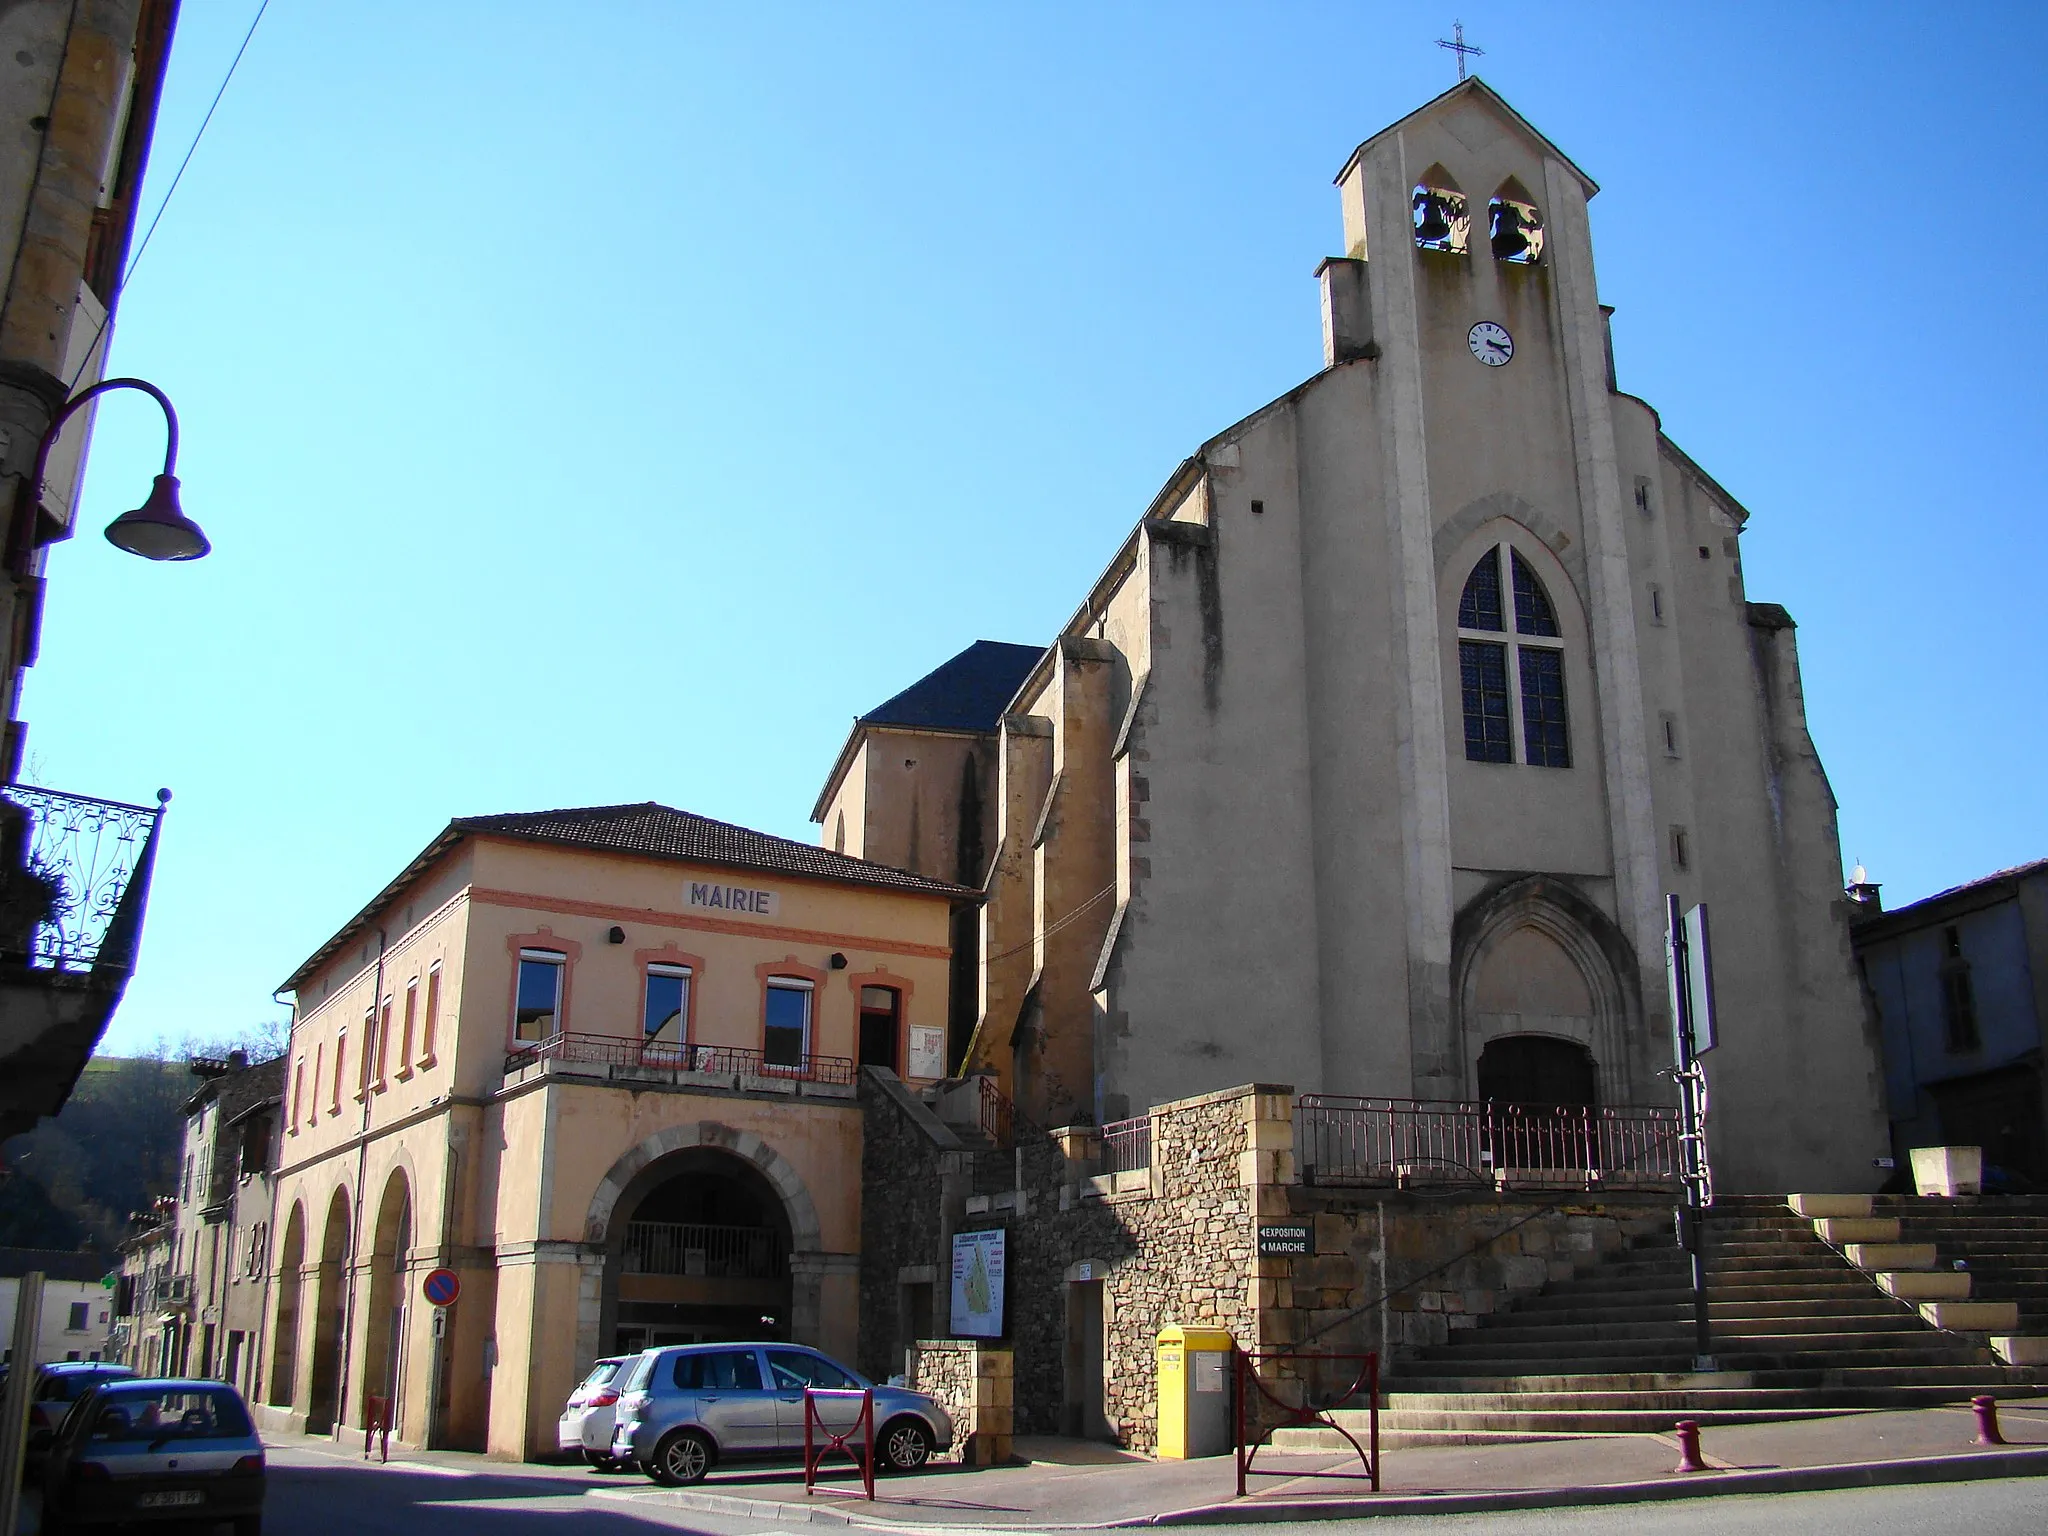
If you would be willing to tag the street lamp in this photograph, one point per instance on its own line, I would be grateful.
(156, 530)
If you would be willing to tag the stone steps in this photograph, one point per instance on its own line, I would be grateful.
(1797, 1331)
(1621, 1335)
(1968, 1265)
(1674, 1381)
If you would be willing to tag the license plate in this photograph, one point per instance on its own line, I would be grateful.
(175, 1500)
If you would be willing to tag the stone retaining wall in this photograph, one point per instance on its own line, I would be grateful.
(974, 1381)
(1390, 1271)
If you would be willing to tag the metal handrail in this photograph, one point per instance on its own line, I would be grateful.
(662, 1055)
(1345, 1140)
(998, 1114)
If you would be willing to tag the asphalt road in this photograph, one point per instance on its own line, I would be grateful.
(314, 1493)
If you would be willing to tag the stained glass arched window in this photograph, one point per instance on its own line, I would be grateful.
(1497, 688)
(1533, 613)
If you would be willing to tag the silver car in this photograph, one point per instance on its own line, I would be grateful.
(688, 1407)
(143, 1449)
(57, 1387)
(586, 1423)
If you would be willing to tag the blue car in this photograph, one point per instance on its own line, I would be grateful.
(147, 1449)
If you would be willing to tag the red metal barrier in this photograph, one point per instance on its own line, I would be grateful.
(377, 1421)
(863, 1426)
(1314, 1411)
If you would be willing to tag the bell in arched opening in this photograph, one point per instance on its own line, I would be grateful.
(1516, 226)
(1443, 220)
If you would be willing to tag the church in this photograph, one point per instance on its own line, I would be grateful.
(1366, 763)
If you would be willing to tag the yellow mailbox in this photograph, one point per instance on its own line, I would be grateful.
(1194, 1392)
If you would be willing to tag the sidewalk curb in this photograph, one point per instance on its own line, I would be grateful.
(1869, 1474)
(1866, 1474)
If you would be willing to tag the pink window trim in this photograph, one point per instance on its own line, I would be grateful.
(543, 938)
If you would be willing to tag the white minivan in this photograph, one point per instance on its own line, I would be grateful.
(586, 1424)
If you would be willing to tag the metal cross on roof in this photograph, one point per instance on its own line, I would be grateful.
(1460, 47)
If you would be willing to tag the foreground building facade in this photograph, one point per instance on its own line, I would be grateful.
(600, 1063)
(1368, 761)
(79, 94)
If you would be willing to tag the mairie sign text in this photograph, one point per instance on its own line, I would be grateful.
(734, 898)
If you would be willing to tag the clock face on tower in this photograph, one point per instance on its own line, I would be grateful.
(1490, 343)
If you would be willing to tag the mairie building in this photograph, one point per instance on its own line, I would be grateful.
(601, 1064)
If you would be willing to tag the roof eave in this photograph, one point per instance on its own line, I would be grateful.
(839, 766)
(1476, 86)
(930, 887)
(443, 842)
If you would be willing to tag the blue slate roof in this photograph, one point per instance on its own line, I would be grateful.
(965, 694)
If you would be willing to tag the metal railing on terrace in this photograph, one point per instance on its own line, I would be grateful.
(1127, 1145)
(1439, 1142)
(691, 1248)
(664, 1056)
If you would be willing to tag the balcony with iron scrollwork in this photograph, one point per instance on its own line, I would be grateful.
(74, 885)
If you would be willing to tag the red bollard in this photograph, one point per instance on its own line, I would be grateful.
(1689, 1447)
(1987, 1420)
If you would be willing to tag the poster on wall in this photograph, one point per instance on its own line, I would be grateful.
(927, 1053)
(978, 1284)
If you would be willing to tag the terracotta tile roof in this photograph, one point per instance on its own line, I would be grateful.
(648, 829)
(664, 832)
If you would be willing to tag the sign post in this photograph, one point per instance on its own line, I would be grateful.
(1689, 967)
(440, 1288)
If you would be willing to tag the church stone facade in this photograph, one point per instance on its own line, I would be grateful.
(1367, 762)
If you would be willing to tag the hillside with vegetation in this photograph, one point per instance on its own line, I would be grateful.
(71, 1182)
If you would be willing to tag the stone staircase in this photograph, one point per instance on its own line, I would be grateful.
(1978, 1264)
(1798, 1331)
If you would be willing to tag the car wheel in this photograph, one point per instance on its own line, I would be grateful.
(906, 1445)
(599, 1462)
(683, 1457)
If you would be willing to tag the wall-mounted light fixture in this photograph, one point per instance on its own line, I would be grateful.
(616, 936)
(838, 961)
(156, 530)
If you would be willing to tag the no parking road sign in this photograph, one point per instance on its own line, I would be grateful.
(441, 1287)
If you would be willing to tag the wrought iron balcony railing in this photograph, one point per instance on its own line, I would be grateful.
(66, 864)
(1405, 1142)
(663, 1056)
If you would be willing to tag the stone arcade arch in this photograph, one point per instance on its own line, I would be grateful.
(1533, 956)
(390, 1294)
(291, 1263)
(741, 1155)
(330, 1298)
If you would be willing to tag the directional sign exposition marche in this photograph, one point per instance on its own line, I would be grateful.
(1282, 1239)
(441, 1287)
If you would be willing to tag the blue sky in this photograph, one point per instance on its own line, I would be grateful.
(607, 403)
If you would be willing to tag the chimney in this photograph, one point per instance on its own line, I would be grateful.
(1864, 892)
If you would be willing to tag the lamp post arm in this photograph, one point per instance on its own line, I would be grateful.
(24, 541)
